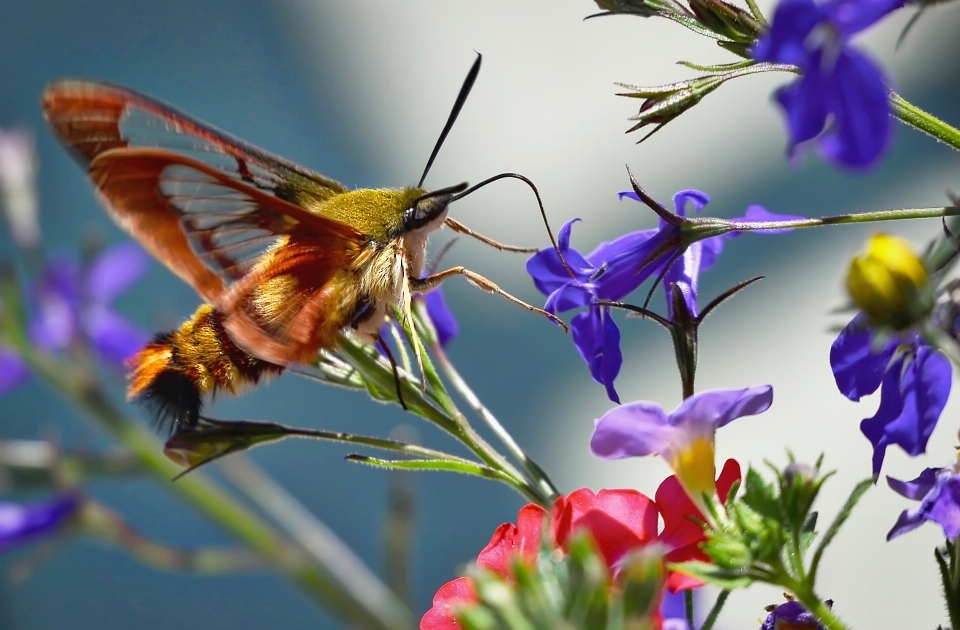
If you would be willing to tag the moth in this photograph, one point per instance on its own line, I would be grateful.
(286, 259)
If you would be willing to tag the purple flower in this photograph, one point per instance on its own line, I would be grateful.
(74, 303)
(792, 615)
(938, 491)
(441, 316)
(71, 304)
(914, 381)
(20, 523)
(684, 438)
(842, 95)
(617, 268)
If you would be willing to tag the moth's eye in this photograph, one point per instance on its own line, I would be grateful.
(424, 211)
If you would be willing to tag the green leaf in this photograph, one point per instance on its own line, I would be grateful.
(761, 496)
(725, 579)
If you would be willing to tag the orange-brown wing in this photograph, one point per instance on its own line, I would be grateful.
(89, 118)
(227, 239)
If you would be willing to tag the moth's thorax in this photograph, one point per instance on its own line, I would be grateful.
(377, 213)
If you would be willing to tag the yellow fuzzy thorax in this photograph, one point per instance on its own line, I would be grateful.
(375, 212)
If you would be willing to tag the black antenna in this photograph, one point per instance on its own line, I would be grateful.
(457, 106)
(543, 212)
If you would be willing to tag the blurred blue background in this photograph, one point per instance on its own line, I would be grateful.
(359, 91)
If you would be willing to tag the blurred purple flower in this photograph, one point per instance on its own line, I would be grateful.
(793, 616)
(842, 96)
(938, 490)
(673, 609)
(70, 304)
(21, 523)
(441, 316)
(914, 381)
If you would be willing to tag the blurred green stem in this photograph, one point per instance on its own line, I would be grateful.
(910, 114)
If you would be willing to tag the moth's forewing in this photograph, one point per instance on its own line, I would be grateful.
(213, 211)
(90, 117)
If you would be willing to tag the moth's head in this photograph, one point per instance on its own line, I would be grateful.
(428, 207)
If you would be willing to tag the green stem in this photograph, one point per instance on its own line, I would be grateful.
(688, 606)
(910, 114)
(198, 490)
(820, 610)
(537, 474)
(715, 611)
(456, 426)
(713, 227)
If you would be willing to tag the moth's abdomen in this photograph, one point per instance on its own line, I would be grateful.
(174, 373)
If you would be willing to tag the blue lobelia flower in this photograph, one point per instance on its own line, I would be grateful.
(842, 96)
(938, 491)
(616, 268)
(793, 616)
(914, 381)
(21, 523)
(71, 304)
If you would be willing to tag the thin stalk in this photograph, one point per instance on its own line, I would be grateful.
(843, 219)
(534, 471)
(715, 611)
(688, 606)
(456, 426)
(910, 114)
(310, 532)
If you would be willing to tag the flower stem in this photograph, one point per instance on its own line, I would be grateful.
(843, 219)
(821, 611)
(715, 611)
(910, 114)
(537, 474)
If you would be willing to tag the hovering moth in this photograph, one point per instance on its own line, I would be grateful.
(286, 259)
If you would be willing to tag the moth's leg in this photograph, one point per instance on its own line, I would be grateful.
(456, 226)
(393, 364)
(424, 285)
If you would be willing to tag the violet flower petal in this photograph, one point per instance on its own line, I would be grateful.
(597, 338)
(861, 128)
(917, 488)
(719, 407)
(913, 394)
(13, 371)
(857, 369)
(114, 271)
(19, 523)
(636, 429)
(114, 337)
(441, 316)
(785, 40)
(941, 505)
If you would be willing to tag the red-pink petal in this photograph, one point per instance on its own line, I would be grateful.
(452, 594)
(509, 540)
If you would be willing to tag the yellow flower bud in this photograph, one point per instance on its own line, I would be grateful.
(889, 283)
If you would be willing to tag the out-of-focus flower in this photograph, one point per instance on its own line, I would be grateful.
(914, 381)
(70, 304)
(684, 438)
(938, 491)
(22, 523)
(791, 616)
(441, 316)
(17, 186)
(842, 96)
(620, 521)
(886, 347)
(74, 303)
(889, 283)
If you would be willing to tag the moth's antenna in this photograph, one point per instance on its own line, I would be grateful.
(543, 213)
(457, 106)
